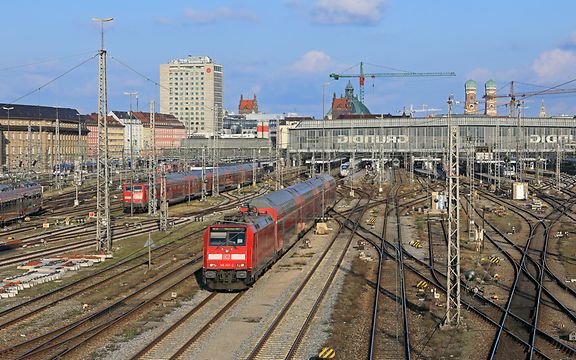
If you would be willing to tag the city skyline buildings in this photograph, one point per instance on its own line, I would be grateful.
(284, 51)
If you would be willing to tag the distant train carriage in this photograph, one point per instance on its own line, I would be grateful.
(345, 169)
(184, 185)
(19, 201)
(239, 250)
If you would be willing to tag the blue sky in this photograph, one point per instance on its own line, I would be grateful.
(284, 50)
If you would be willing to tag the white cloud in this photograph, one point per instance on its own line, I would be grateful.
(555, 65)
(359, 12)
(218, 14)
(313, 61)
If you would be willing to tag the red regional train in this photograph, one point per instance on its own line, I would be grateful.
(183, 185)
(19, 201)
(238, 251)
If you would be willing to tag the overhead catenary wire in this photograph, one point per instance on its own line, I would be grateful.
(44, 61)
(147, 78)
(54, 79)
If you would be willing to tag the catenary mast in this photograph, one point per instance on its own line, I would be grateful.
(103, 235)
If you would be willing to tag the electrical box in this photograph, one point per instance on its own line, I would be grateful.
(520, 191)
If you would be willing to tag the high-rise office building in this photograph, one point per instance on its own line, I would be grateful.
(191, 89)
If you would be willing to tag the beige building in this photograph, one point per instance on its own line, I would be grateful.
(191, 89)
(50, 128)
(115, 137)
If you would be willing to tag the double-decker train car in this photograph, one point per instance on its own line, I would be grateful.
(237, 251)
(18, 201)
(183, 185)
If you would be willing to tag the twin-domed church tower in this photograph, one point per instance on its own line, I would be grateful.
(471, 105)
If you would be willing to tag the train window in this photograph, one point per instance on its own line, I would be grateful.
(217, 238)
(228, 237)
(237, 238)
(138, 188)
(128, 187)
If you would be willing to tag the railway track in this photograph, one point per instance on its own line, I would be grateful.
(394, 338)
(66, 340)
(25, 310)
(479, 306)
(529, 267)
(278, 340)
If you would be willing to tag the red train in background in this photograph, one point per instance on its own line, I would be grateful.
(183, 185)
(18, 201)
(238, 251)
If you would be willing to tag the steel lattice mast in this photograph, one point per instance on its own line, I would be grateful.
(453, 278)
(103, 235)
(58, 155)
(152, 202)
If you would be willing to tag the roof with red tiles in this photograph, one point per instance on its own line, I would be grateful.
(161, 120)
(341, 103)
(247, 105)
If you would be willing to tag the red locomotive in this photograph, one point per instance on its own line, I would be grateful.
(237, 252)
(183, 185)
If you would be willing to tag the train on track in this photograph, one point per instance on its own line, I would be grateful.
(239, 249)
(184, 185)
(345, 169)
(18, 201)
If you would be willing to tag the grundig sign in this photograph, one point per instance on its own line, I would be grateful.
(373, 139)
(550, 139)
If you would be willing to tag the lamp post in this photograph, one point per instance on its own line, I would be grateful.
(130, 94)
(8, 161)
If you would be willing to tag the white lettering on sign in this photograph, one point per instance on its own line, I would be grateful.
(373, 139)
(550, 139)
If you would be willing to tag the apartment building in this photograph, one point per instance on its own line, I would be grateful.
(191, 89)
(133, 132)
(115, 137)
(168, 133)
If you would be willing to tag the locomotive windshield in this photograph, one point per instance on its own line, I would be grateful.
(137, 188)
(227, 236)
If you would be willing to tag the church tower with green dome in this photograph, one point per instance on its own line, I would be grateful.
(347, 105)
(471, 106)
(490, 97)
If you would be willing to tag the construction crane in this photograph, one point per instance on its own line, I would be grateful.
(362, 76)
(411, 110)
(518, 96)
